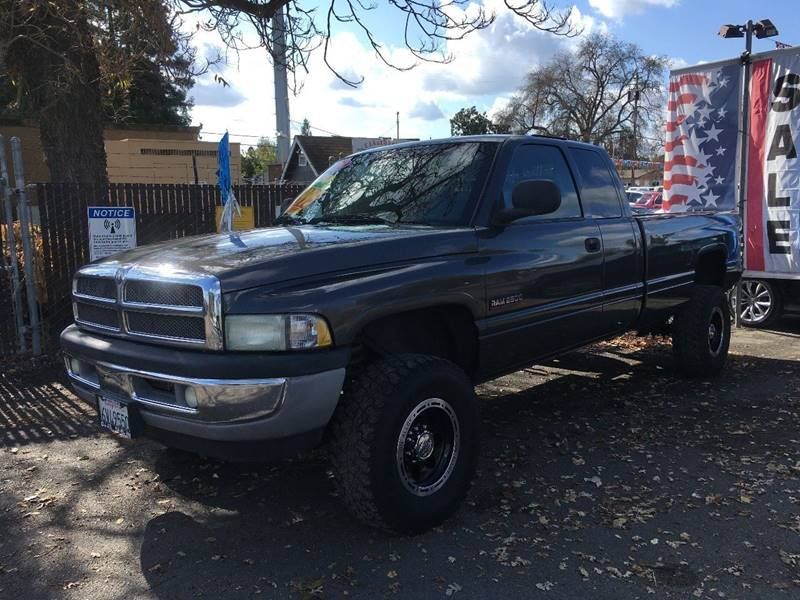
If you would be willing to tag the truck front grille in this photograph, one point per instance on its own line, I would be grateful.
(118, 302)
(167, 326)
(99, 287)
(169, 294)
(99, 316)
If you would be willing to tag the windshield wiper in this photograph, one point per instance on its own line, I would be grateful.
(354, 219)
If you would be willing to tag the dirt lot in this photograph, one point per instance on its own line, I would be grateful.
(603, 475)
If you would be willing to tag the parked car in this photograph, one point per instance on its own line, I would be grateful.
(399, 279)
(633, 196)
(649, 201)
(764, 301)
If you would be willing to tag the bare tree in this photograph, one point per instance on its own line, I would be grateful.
(604, 89)
(49, 48)
(427, 26)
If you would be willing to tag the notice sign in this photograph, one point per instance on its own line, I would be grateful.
(112, 229)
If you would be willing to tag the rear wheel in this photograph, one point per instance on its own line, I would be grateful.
(701, 333)
(405, 441)
(761, 303)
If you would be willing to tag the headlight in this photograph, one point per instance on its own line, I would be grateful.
(276, 332)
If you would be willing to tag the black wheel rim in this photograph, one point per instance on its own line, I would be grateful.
(756, 302)
(716, 331)
(428, 446)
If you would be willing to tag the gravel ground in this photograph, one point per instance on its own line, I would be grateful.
(603, 475)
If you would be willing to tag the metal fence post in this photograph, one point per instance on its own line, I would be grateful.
(11, 239)
(23, 211)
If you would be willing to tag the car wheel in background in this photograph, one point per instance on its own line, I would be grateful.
(761, 302)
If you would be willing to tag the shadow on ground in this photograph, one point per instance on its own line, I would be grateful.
(602, 475)
(36, 407)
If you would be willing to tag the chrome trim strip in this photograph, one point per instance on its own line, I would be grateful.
(147, 336)
(74, 376)
(193, 381)
(127, 387)
(91, 325)
(163, 309)
(100, 300)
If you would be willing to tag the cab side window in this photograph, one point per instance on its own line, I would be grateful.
(598, 189)
(533, 161)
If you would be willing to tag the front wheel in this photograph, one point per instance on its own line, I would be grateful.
(701, 333)
(405, 441)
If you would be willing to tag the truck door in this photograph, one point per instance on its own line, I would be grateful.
(543, 273)
(623, 258)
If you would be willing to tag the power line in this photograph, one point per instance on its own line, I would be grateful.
(315, 128)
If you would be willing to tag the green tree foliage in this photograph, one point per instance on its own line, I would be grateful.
(147, 64)
(469, 121)
(256, 158)
(147, 67)
(306, 128)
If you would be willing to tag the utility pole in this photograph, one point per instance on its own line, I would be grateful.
(398, 126)
(281, 84)
(635, 93)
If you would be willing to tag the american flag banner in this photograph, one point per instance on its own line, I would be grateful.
(772, 212)
(702, 138)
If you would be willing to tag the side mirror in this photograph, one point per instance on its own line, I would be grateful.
(531, 198)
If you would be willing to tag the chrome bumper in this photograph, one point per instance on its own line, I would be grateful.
(218, 409)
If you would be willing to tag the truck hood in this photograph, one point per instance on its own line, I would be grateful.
(275, 254)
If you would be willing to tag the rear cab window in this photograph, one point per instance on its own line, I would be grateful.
(598, 186)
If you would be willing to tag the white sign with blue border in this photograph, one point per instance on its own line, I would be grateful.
(112, 229)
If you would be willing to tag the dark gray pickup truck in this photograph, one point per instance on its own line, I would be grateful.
(394, 283)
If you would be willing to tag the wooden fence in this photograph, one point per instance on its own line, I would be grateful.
(163, 211)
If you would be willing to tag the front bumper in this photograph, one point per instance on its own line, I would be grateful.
(201, 400)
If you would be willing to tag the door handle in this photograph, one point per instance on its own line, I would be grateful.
(592, 244)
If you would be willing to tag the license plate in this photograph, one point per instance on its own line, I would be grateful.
(114, 416)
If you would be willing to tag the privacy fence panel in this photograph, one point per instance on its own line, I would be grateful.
(163, 212)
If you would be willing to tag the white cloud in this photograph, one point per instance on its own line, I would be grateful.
(427, 111)
(487, 65)
(616, 9)
(215, 94)
(677, 62)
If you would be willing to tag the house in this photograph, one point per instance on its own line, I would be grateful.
(133, 160)
(156, 154)
(311, 155)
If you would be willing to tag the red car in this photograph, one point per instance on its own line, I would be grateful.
(649, 201)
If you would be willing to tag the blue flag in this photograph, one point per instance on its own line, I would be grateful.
(224, 182)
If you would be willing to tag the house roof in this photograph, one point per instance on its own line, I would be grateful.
(321, 150)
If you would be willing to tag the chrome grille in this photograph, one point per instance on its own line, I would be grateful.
(178, 310)
(157, 292)
(169, 326)
(98, 315)
(100, 287)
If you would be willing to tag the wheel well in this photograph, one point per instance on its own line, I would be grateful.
(447, 331)
(710, 268)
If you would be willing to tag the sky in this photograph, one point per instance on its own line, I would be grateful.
(487, 66)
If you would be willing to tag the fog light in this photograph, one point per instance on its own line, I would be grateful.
(190, 396)
(75, 366)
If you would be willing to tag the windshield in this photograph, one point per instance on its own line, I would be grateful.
(430, 184)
